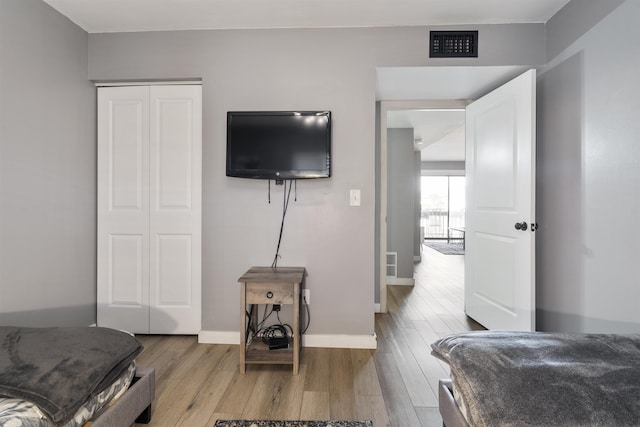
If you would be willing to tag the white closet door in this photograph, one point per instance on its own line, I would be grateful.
(149, 208)
(123, 208)
(175, 209)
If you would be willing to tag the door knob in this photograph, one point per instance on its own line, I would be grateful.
(521, 226)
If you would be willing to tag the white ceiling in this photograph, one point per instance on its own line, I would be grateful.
(103, 16)
(438, 134)
(442, 134)
(405, 83)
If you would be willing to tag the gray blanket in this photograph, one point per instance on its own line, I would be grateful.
(541, 379)
(59, 368)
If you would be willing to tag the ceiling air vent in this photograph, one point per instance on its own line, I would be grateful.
(453, 44)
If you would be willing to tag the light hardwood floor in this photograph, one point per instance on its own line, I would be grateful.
(395, 385)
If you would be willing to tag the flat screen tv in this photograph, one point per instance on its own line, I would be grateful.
(279, 144)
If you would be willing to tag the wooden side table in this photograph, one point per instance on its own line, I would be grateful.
(266, 285)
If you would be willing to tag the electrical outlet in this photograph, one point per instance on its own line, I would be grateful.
(306, 295)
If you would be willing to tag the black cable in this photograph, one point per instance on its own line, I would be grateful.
(274, 331)
(306, 306)
(269, 192)
(258, 327)
(265, 316)
(285, 206)
(284, 324)
(250, 328)
(271, 331)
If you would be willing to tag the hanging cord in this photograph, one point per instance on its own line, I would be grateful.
(265, 316)
(306, 306)
(269, 192)
(285, 325)
(285, 206)
(254, 330)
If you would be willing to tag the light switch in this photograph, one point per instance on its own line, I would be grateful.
(354, 198)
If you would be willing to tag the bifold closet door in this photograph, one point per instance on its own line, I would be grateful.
(149, 204)
(123, 208)
(175, 167)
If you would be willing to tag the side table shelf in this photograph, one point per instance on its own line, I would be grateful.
(266, 285)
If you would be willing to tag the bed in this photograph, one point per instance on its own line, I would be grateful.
(540, 379)
(70, 377)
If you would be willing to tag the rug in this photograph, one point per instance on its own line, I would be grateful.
(446, 248)
(332, 423)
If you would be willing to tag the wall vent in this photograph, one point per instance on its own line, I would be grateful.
(453, 44)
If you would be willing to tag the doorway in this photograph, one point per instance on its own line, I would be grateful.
(439, 108)
(434, 88)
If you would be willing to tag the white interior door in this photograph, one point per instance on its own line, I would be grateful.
(123, 208)
(175, 205)
(500, 168)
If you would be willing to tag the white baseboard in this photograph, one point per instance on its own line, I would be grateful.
(376, 308)
(319, 340)
(391, 281)
(219, 337)
(417, 258)
(340, 341)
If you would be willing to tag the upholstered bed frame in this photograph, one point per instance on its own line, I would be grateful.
(134, 406)
(449, 410)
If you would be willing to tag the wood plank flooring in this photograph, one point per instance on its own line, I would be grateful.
(395, 385)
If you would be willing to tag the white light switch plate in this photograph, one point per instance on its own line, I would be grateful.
(354, 198)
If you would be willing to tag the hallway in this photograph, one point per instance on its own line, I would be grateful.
(418, 315)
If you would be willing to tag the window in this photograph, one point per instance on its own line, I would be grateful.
(443, 205)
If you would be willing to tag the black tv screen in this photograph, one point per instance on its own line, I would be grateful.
(279, 144)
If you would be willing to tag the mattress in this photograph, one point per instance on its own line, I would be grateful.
(23, 413)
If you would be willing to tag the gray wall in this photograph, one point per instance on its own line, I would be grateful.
(47, 169)
(376, 234)
(588, 246)
(401, 189)
(273, 70)
(573, 20)
(417, 206)
(331, 69)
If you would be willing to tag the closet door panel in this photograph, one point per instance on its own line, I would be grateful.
(123, 208)
(126, 141)
(175, 203)
(173, 155)
(173, 308)
(174, 268)
(126, 281)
